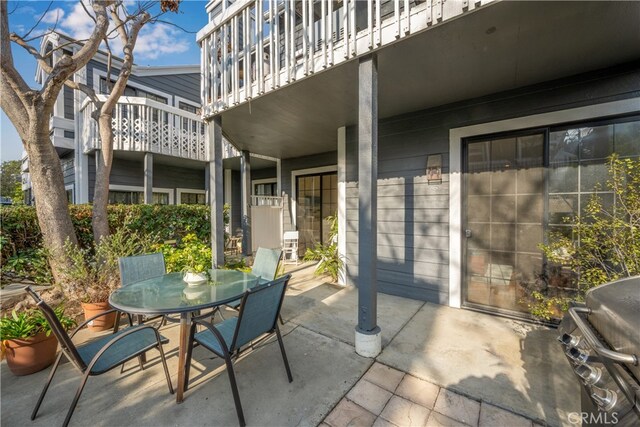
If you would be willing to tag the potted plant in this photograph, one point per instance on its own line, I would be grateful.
(27, 342)
(94, 273)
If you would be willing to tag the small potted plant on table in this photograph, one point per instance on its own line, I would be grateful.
(27, 341)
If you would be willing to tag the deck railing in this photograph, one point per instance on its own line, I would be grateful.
(141, 124)
(250, 48)
(257, 200)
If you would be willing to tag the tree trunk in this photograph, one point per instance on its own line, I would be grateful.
(51, 198)
(103, 171)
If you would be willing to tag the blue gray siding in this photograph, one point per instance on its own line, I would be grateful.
(413, 217)
(68, 169)
(67, 94)
(236, 202)
(184, 85)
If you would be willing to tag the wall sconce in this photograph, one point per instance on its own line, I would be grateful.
(434, 169)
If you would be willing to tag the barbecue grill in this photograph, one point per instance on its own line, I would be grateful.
(601, 340)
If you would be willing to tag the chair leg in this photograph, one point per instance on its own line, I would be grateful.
(284, 354)
(189, 354)
(234, 390)
(164, 365)
(46, 386)
(116, 325)
(76, 398)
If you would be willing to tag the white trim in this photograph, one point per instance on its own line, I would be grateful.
(140, 189)
(99, 73)
(299, 172)
(177, 99)
(455, 168)
(73, 192)
(261, 156)
(179, 192)
(264, 181)
(164, 70)
(342, 201)
(279, 176)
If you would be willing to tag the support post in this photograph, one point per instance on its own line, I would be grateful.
(245, 176)
(148, 178)
(368, 334)
(342, 202)
(215, 191)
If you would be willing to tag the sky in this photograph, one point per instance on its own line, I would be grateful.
(158, 44)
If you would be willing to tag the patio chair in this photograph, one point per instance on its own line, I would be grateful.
(136, 268)
(258, 318)
(290, 247)
(265, 266)
(98, 356)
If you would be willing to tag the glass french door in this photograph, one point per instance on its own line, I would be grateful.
(317, 198)
(504, 212)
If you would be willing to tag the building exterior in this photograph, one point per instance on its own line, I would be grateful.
(449, 136)
(159, 135)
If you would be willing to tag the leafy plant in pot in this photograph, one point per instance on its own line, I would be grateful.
(94, 273)
(27, 342)
(196, 260)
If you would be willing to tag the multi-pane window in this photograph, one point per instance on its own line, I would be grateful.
(193, 198)
(521, 187)
(136, 197)
(267, 189)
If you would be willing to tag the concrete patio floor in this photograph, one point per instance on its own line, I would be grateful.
(439, 366)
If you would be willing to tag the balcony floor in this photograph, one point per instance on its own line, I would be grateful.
(481, 360)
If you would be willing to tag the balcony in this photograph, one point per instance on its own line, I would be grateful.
(251, 48)
(144, 125)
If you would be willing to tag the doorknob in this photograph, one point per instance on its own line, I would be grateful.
(467, 233)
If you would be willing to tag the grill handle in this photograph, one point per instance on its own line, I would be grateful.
(595, 342)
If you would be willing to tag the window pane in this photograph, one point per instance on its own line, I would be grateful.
(627, 138)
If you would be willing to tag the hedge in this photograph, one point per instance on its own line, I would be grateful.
(21, 238)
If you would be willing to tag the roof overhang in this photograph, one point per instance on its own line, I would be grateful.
(503, 46)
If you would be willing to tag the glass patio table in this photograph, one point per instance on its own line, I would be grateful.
(169, 294)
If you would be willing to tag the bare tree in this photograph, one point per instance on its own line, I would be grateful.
(29, 111)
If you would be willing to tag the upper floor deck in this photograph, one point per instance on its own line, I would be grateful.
(144, 125)
(250, 48)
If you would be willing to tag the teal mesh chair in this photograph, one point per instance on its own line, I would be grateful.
(140, 267)
(265, 266)
(100, 355)
(257, 321)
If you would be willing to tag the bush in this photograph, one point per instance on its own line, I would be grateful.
(330, 261)
(191, 254)
(21, 252)
(605, 244)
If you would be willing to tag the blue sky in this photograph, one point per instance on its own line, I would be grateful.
(158, 44)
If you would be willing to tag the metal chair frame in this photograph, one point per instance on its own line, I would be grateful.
(71, 352)
(233, 351)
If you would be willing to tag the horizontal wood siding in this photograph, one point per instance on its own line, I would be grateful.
(266, 173)
(67, 94)
(413, 216)
(68, 169)
(165, 176)
(183, 85)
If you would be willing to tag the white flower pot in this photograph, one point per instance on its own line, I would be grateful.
(194, 279)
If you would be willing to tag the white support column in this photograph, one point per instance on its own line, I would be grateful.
(279, 177)
(245, 176)
(148, 178)
(342, 202)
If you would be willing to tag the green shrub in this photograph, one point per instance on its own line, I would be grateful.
(604, 244)
(190, 254)
(30, 323)
(21, 252)
(330, 261)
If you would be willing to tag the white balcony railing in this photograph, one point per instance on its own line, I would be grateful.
(141, 124)
(253, 47)
(257, 200)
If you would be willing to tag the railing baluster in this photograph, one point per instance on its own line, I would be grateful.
(260, 46)
(346, 18)
(407, 17)
(370, 23)
(287, 41)
(330, 35)
(323, 31)
(378, 23)
(246, 72)
(396, 14)
(292, 43)
(352, 27)
(236, 59)
(305, 36)
(312, 36)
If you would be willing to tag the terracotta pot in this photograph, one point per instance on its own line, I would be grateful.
(26, 356)
(102, 323)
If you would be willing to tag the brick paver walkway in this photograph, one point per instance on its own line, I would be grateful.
(387, 397)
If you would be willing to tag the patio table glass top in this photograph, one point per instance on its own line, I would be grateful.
(170, 294)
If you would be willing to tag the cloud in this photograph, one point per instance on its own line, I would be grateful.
(160, 39)
(154, 40)
(53, 16)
